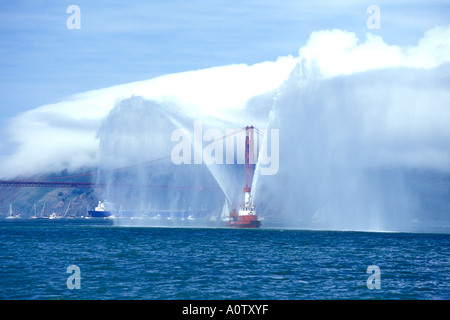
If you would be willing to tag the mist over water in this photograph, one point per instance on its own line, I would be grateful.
(362, 145)
(137, 168)
(346, 146)
(135, 138)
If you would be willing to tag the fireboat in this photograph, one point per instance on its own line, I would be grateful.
(246, 216)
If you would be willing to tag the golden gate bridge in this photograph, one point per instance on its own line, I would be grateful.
(61, 182)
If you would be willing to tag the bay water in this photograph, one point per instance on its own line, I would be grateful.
(188, 263)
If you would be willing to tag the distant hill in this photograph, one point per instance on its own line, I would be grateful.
(28, 200)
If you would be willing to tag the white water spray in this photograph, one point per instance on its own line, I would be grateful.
(363, 130)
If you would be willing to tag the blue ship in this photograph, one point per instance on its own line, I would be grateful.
(100, 211)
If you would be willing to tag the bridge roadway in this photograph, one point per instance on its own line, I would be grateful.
(61, 184)
(53, 184)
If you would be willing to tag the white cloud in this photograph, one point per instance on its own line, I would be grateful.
(64, 135)
(432, 50)
(336, 52)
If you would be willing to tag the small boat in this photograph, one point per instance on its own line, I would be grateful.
(12, 215)
(54, 215)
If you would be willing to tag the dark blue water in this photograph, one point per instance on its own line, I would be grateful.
(216, 263)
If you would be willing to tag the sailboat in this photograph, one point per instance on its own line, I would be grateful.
(12, 215)
(42, 213)
(226, 211)
(67, 210)
(34, 216)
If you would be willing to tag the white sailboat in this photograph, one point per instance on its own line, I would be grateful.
(226, 211)
(67, 210)
(12, 215)
(42, 213)
(35, 215)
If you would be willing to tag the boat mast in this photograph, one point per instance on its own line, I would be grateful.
(249, 166)
(42, 211)
(65, 213)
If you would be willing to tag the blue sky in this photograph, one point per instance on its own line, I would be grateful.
(42, 61)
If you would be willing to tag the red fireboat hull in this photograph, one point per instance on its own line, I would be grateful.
(245, 222)
(235, 224)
